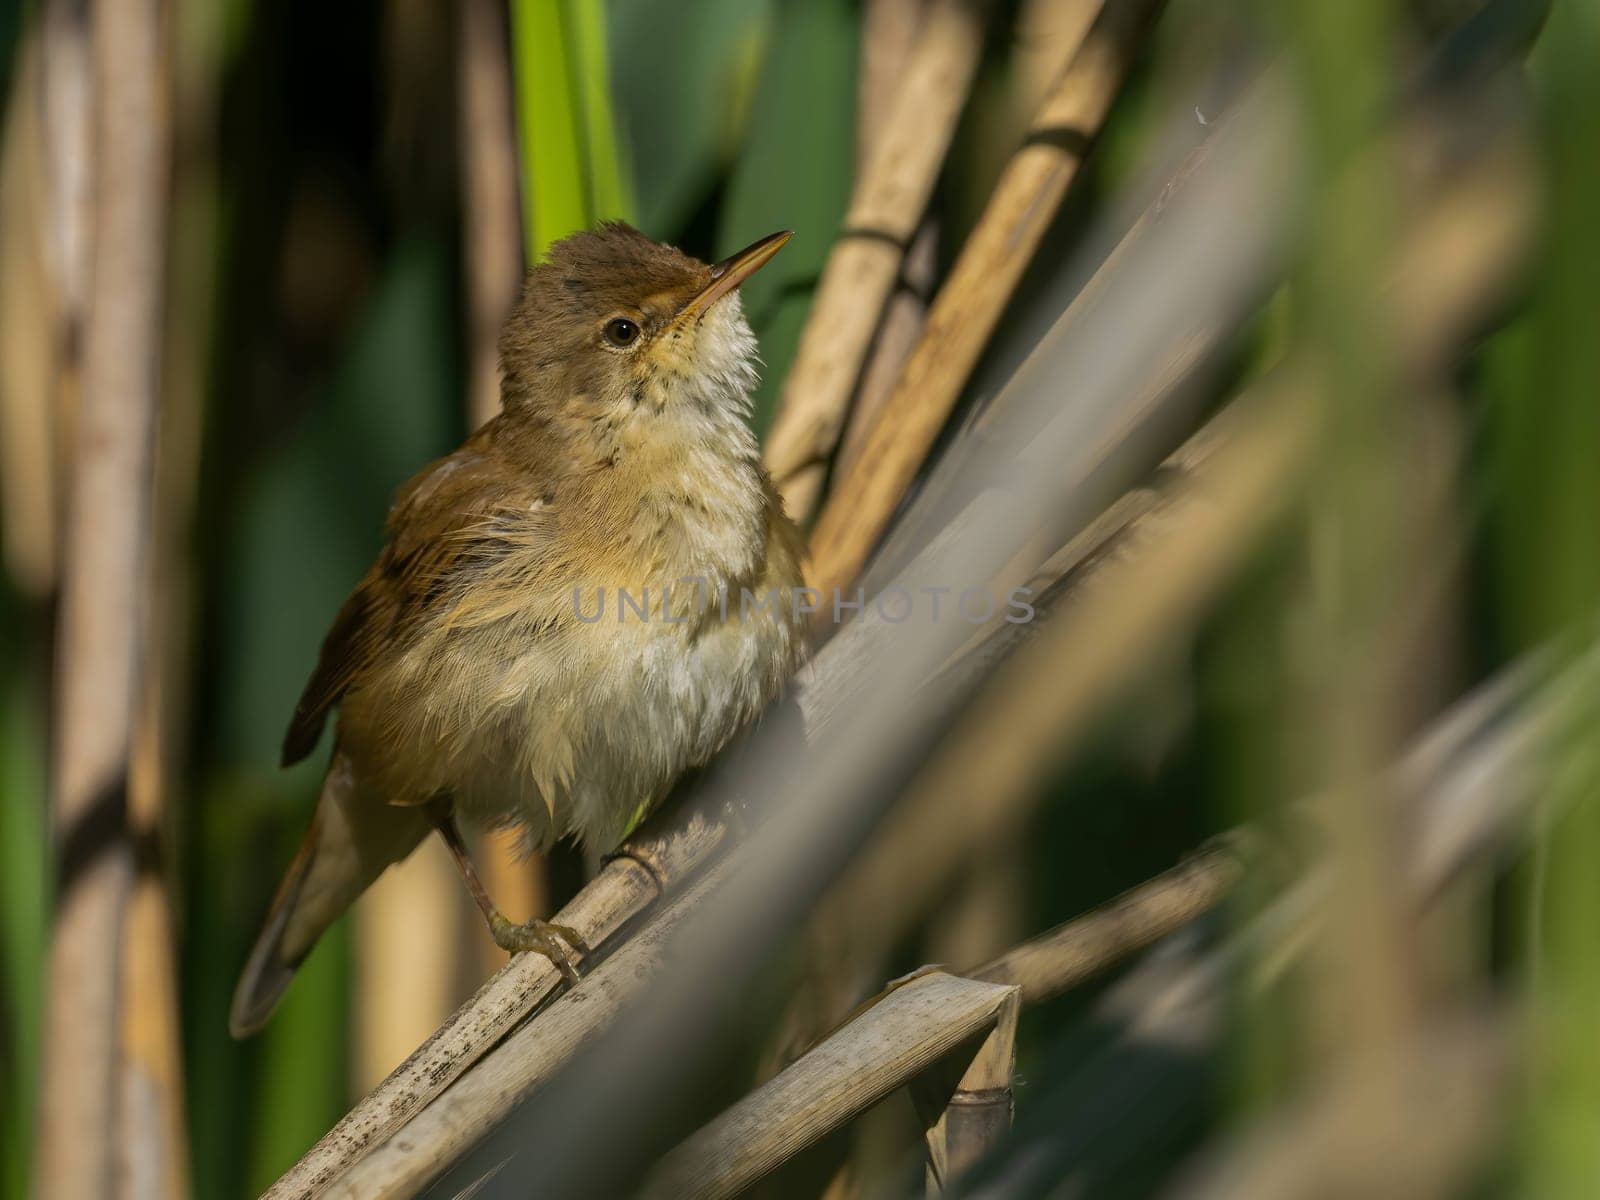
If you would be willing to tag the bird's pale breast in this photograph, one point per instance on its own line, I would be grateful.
(574, 701)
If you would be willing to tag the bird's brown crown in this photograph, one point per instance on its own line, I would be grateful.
(592, 316)
(612, 324)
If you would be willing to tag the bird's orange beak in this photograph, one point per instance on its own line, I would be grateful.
(734, 270)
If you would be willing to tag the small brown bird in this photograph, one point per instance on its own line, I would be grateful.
(556, 627)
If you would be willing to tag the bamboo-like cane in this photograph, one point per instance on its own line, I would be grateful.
(861, 270)
(153, 1150)
(887, 1047)
(153, 1116)
(105, 577)
(970, 303)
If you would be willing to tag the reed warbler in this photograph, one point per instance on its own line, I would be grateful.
(540, 642)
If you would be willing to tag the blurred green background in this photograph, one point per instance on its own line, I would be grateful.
(318, 266)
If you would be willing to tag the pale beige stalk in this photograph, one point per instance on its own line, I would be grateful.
(530, 1057)
(104, 603)
(861, 270)
(29, 333)
(1057, 961)
(888, 35)
(969, 304)
(659, 860)
(491, 220)
(888, 1046)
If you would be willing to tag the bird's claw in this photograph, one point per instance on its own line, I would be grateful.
(555, 942)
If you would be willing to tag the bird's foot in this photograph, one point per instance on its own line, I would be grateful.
(555, 942)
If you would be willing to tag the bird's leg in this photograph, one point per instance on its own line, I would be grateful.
(542, 937)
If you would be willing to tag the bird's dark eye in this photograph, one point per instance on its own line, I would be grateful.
(620, 331)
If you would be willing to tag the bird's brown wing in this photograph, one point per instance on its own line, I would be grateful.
(450, 515)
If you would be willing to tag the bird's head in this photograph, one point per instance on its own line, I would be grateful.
(612, 323)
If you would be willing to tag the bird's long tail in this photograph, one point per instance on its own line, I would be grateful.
(352, 838)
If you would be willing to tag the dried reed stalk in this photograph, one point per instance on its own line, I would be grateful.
(1058, 961)
(153, 1104)
(489, 200)
(152, 1142)
(1162, 392)
(970, 303)
(104, 604)
(650, 865)
(967, 1121)
(903, 318)
(1049, 33)
(859, 276)
(28, 327)
(412, 914)
(442, 1132)
(887, 1047)
(888, 34)
(844, 1073)
(835, 1080)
